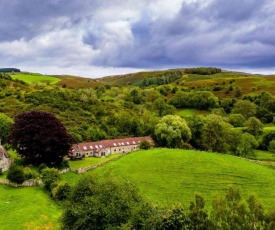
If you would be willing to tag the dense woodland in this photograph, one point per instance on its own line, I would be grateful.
(109, 111)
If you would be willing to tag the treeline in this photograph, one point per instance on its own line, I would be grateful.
(203, 70)
(9, 70)
(112, 204)
(197, 99)
(162, 79)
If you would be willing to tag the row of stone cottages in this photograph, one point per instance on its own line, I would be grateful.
(107, 147)
(98, 149)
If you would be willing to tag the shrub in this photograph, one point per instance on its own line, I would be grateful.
(41, 167)
(61, 191)
(29, 174)
(237, 120)
(50, 178)
(185, 145)
(271, 146)
(16, 174)
(145, 144)
(1, 171)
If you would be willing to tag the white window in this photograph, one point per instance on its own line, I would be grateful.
(122, 143)
(127, 143)
(100, 146)
(91, 147)
(84, 147)
(96, 146)
(114, 144)
(134, 142)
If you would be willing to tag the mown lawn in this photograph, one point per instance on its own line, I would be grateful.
(269, 128)
(88, 161)
(264, 155)
(190, 112)
(27, 208)
(35, 78)
(170, 176)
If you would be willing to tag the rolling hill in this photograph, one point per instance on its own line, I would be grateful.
(171, 176)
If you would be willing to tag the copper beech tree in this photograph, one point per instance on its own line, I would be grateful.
(40, 137)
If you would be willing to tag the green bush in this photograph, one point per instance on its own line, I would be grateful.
(16, 174)
(29, 174)
(50, 178)
(41, 167)
(61, 191)
(145, 144)
(271, 146)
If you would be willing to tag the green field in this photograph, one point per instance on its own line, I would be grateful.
(190, 112)
(169, 176)
(27, 208)
(269, 128)
(35, 78)
(76, 164)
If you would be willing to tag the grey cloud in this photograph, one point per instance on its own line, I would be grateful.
(26, 19)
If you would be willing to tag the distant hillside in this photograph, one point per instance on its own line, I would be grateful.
(9, 70)
(224, 84)
(77, 82)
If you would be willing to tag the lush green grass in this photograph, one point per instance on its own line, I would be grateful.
(269, 128)
(35, 78)
(190, 112)
(88, 161)
(264, 155)
(169, 176)
(27, 208)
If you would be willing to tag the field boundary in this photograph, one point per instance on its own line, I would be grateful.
(86, 169)
(27, 183)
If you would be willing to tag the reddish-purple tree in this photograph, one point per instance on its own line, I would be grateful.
(40, 137)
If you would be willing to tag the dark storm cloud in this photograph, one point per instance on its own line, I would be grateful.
(224, 33)
(26, 19)
(137, 34)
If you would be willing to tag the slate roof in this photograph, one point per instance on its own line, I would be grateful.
(3, 151)
(99, 145)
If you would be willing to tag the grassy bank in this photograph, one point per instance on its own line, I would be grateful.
(27, 208)
(169, 176)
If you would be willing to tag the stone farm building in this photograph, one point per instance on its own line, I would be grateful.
(107, 147)
(5, 161)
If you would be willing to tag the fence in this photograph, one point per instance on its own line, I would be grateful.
(83, 170)
(27, 183)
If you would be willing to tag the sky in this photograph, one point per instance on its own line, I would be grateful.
(95, 38)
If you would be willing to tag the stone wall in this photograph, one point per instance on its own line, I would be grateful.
(27, 183)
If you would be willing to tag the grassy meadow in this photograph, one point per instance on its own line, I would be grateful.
(170, 176)
(35, 78)
(28, 208)
(88, 161)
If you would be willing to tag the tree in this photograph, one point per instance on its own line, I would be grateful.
(237, 120)
(215, 133)
(100, 204)
(271, 146)
(40, 138)
(144, 144)
(16, 174)
(50, 178)
(254, 126)
(195, 123)
(267, 138)
(162, 108)
(5, 127)
(171, 131)
(245, 108)
(197, 214)
(247, 144)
